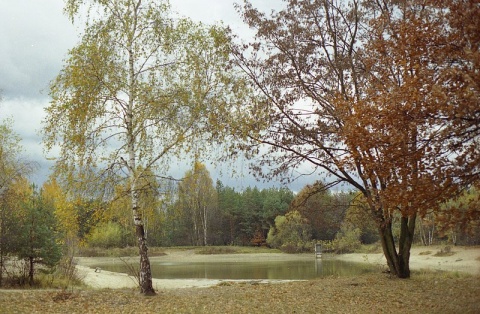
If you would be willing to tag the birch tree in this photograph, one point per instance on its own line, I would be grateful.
(139, 88)
(198, 199)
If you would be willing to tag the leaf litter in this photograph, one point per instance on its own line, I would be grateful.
(370, 293)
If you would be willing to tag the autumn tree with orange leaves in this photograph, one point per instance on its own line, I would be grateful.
(382, 95)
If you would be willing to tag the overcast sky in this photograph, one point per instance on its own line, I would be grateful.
(35, 36)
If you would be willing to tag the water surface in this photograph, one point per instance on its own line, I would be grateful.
(301, 269)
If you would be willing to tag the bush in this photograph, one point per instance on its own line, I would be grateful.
(291, 234)
(328, 246)
(290, 248)
(347, 240)
(273, 237)
(67, 273)
(299, 247)
(106, 235)
(17, 275)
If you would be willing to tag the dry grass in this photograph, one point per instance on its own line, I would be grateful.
(446, 251)
(373, 293)
(370, 248)
(160, 251)
(425, 253)
(210, 250)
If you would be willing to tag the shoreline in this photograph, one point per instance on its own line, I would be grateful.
(111, 280)
(104, 279)
(463, 259)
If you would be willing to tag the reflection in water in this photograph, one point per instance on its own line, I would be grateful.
(251, 270)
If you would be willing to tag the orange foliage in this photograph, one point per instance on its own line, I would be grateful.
(381, 95)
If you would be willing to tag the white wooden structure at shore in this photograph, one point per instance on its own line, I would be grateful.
(318, 250)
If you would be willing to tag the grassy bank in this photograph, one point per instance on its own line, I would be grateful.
(373, 293)
(159, 251)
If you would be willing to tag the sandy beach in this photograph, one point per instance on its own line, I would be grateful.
(463, 259)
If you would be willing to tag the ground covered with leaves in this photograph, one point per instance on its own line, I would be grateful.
(372, 293)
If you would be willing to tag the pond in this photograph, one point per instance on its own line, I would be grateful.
(301, 269)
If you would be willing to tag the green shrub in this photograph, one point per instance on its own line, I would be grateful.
(291, 234)
(328, 246)
(347, 240)
(298, 247)
(290, 248)
(106, 235)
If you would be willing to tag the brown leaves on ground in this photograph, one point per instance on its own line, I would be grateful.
(373, 293)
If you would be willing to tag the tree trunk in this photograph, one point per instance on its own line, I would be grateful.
(388, 245)
(431, 232)
(423, 235)
(145, 276)
(31, 270)
(405, 244)
(2, 242)
(398, 263)
(205, 222)
(1, 264)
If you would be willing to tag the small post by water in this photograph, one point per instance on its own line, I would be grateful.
(318, 250)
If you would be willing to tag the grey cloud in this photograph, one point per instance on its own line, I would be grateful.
(35, 37)
(34, 40)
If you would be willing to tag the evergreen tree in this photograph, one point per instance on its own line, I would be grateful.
(36, 240)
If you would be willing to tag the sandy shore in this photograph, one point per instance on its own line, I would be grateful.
(464, 259)
(106, 279)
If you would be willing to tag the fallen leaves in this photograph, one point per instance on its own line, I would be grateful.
(370, 293)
